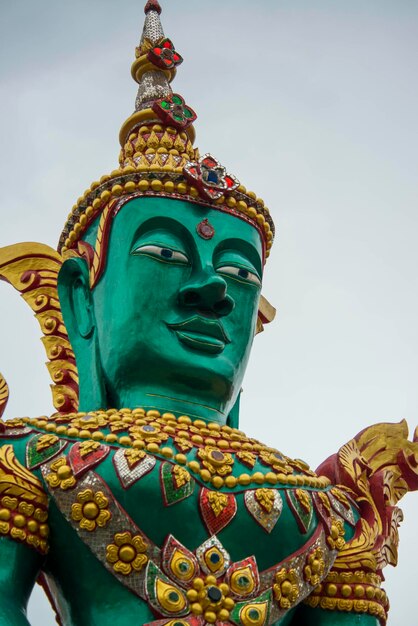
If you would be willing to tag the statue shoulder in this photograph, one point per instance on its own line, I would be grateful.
(376, 468)
(23, 499)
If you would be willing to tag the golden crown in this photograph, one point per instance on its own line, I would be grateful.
(157, 156)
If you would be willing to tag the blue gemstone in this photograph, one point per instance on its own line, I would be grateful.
(214, 594)
(149, 429)
(212, 177)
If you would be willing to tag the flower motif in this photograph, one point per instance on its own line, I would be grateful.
(336, 537)
(61, 475)
(216, 461)
(173, 111)
(315, 567)
(150, 433)
(210, 177)
(165, 55)
(127, 553)
(91, 510)
(276, 461)
(210, 597)
(286, 588)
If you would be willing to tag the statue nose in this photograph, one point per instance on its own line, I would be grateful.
(207, 295)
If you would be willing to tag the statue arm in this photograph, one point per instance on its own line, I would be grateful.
(23, 528)
(19, 568)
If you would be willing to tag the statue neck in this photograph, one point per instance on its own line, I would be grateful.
(165, 401)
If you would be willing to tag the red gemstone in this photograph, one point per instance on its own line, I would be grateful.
(168, 62)
(167, 44)
(229, 181)
(176, 57)
(209, 162)
(206, 231)
(157, 51)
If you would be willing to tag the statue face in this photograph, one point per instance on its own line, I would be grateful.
(175, 313)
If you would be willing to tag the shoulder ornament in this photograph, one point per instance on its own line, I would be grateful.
(376, 468)
(23, 503)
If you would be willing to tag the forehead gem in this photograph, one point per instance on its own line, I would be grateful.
(205, 229)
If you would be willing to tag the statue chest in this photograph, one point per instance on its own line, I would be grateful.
(189, 547)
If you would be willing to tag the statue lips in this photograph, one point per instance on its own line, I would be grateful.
(201, 334)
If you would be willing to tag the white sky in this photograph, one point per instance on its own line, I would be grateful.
(313, 106)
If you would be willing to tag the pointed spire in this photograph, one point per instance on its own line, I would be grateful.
(153, 30)
(153, 5)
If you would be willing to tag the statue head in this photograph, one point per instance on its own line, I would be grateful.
(160, 288)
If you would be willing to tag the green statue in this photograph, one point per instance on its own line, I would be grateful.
(140, 501)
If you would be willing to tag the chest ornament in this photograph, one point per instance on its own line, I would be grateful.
(197, 587)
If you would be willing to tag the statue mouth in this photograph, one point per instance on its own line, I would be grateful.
(203, 335)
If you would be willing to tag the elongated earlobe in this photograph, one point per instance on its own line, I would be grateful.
(77, 308)
(76, 299)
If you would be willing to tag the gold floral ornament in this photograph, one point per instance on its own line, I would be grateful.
(315, 567)
(276, 461)
(127, 553)
(91, 510)
(286, 588)
(216, 461)
(61, 475)
(210, 599)
(265, 498)
(218, 502)
(336, 539)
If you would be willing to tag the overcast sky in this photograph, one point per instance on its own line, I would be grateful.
(313, 105)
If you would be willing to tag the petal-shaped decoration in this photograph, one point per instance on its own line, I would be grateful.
(243, 578)
(265, 505)
(178, 562)
(130, 470)
(176, 482)
(217, 509)
(300, 503)
(341, 505)
(163, 595)
(212, 557)
(85, 455)
(41, 448)
(255, 613)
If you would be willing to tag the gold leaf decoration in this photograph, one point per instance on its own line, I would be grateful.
(4, 394)
(18, 482)
(32, 269)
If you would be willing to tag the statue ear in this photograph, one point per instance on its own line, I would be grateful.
(76, 299)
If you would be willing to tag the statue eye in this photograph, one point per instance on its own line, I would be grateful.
(240, 273)
(162, 254)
